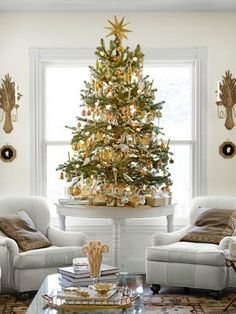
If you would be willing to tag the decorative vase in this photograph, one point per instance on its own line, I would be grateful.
(94, 250)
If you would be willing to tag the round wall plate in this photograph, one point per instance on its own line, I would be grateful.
(7, 153)
(227, 149)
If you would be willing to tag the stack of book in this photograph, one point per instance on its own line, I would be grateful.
(70, 277)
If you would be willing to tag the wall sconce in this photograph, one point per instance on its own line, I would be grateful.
(226, 97)
(9, 98)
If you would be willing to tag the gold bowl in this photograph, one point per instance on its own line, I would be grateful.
(102, 287)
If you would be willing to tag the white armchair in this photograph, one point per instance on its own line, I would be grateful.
(25, 271)
(171, 262)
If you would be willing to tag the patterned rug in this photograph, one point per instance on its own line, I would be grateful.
(161, 304)
(10, 305)
(187, 304)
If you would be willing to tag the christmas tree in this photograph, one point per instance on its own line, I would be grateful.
(117, 145)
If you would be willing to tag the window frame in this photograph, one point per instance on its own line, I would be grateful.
(42, 57)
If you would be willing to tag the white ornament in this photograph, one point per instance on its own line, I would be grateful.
(86, 161)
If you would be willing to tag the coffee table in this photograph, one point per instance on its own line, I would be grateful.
(51, 282)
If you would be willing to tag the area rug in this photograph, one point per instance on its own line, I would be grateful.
(161, 304)
(187, 304)
(9, 304)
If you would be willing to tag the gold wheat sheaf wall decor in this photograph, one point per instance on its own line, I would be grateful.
(9, 98)
(226, 97)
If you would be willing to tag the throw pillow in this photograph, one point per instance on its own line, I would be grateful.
(21, 228)
(212, 225)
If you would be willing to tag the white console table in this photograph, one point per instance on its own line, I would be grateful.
(117, 215)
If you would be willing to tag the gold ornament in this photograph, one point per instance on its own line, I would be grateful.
(75, 191)
(61, 175)
(99, 136)
(145, 140)
(74, 146)
(90, 142)
(120, 49)
(106, 154)
(118, 29)
(89, 181)
(68, 178)
(159, 114)
(81, 144)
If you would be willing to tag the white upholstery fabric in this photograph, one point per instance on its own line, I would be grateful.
(224, 243)
(47, 257)
(63, 238)
(168, 238)
(187, 252)
(35, 206)
(186, 275)
(25, 271)
(188, 264)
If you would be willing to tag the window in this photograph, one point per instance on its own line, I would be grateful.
(179, 76)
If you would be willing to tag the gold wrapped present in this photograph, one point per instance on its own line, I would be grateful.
(99, 201)
(155, 202)
(133, 201)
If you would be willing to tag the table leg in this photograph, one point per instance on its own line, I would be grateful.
(62, 222)
(116, 241)
(170, 223)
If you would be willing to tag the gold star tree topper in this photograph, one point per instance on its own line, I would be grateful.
(118, 29)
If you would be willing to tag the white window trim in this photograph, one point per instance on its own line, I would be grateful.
(40, 57)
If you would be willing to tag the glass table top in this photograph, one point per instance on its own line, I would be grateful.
(134, 282)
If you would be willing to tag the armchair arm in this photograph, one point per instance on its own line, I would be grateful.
(10, 244)
(159, 238)
(8, 250)
(66, 238)
(224, 243)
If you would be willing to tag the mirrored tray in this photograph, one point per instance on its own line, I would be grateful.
(119, 299)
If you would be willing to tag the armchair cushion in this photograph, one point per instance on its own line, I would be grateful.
(212, 225)
(21, 228)
(187, 253)
(52, 256)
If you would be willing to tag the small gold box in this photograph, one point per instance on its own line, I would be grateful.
(134, 201)
(99, 201)
(155, 202)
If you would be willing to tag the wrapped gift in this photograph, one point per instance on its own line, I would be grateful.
(157, 201)
(134, 201)
(99, 200)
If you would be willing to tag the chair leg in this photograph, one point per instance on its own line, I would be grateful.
(22, 296)
(216, 294)
(155, 288)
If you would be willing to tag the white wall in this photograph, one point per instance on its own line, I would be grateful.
(20, 31)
